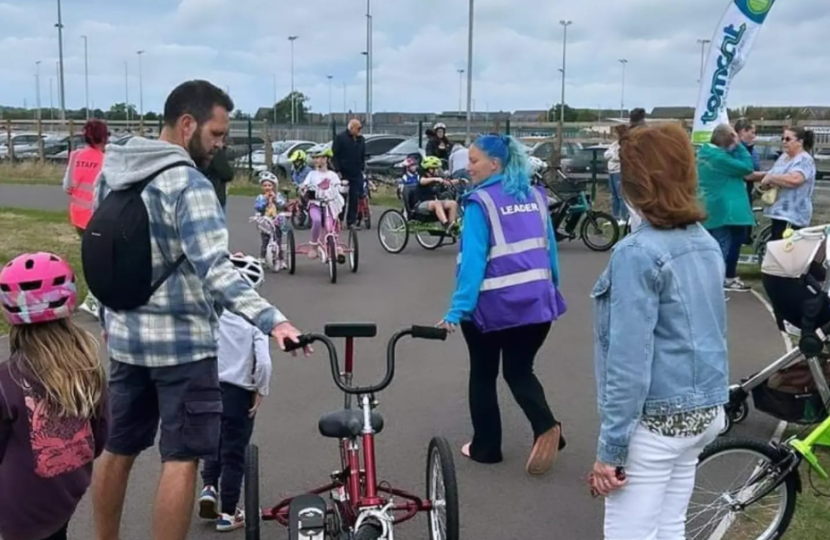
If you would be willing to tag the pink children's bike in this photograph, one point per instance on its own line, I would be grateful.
(281, 253)
(331, 250)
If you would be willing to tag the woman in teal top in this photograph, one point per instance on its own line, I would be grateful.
(723, 167)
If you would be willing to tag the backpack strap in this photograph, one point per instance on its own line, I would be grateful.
(139, 187)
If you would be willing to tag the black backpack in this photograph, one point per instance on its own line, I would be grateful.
(115, 249)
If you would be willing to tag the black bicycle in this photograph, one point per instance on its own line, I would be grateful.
(574, 217)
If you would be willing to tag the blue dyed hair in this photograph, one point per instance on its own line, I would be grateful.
(513, 157)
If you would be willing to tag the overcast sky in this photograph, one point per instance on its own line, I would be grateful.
(418, 46)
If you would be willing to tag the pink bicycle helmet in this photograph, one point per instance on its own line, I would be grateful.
(37, 288)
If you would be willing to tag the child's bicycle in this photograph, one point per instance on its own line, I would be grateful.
(278, 252)
(364, 210)
(296, 207)
(359, 506)
(331, 251)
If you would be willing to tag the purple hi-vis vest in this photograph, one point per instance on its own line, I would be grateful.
(518, 287)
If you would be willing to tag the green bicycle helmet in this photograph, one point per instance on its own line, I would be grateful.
(431, 162)
(327, 153)
(298, 156)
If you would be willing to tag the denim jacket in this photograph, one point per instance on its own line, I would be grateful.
(659, 332)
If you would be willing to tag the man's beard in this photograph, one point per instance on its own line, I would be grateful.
(200, 156)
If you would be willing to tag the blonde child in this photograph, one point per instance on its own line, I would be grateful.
(323, 186)
(53, 413)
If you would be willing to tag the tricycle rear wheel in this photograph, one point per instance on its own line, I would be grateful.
(442, 491)
(252, 511)
(368, 531)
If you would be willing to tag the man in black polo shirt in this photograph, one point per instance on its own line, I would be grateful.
(349, 160)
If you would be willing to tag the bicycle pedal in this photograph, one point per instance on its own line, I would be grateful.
(307, 518)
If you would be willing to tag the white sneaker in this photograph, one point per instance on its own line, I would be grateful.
(90, 305)
(736, 285)
(226, 522)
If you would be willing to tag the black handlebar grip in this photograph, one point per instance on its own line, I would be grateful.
(429, 332)
(291, 346)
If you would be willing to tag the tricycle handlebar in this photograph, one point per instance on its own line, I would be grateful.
(417, 332)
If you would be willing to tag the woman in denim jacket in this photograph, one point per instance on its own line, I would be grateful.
(660, 342)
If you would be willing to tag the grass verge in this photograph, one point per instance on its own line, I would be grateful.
(812, 512)
(38, 230)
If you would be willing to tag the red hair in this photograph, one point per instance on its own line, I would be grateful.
(96, 132)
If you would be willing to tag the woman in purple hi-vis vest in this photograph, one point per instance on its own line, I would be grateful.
(506, 297)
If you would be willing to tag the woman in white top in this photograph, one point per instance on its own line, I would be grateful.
(323, 186)
(618, 208)
(794, 175)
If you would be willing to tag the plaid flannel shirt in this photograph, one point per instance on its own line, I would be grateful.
(179, 323)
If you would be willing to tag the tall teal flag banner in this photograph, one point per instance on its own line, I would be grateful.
(728, 53)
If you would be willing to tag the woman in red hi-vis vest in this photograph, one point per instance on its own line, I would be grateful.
(79, 184)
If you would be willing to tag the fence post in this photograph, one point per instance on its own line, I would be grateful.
(594, 162)
(71, 133)
(333, 129)
(40, 157)
(9, 144)
(269, 148)
(420, 133)
(160, 125)
(250, 147)
(507, 126)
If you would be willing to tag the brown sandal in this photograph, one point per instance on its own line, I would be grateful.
(545, 451)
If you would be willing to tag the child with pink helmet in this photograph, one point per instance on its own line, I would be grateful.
(53, 413)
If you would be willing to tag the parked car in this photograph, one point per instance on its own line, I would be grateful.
(241, 145)
(586, 160)
(391, 162)
(282, 165)
(376, 145)
(22, 143)
(55, 148)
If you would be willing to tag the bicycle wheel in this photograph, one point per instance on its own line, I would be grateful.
(272, 256)
(300, 219)
(331, 255)
(291, 252)
(442, 491)
(393, 231)
(761, 243)
(354, 251)
(429, 239)
(252, 511)
(599, 231)
(719, 509)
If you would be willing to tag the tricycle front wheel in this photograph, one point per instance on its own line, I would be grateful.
(442, 491)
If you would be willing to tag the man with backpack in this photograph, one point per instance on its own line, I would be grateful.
(155, 254)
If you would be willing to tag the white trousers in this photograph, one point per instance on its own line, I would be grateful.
(661, 477)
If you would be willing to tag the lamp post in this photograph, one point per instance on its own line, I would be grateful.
(140, 91)
(330, 77)
(703, 43)
(369, 65)
(37, 89)
(292, 39)
(275, 99)
(86, 76)
(469, 70)
(51, 101)
(127, 93)
(624, 62)
(460, 88)
(561, 128)
(59, 26)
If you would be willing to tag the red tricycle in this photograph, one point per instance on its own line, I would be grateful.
(360, 507)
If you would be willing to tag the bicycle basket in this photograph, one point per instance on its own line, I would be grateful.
(791, 395)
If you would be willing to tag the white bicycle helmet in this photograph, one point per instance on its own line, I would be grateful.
(440, 125)
(267, 176)
(250, 269)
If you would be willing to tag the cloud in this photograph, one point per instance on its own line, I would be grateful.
(418, 47)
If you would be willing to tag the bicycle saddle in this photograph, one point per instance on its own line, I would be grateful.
(346, 424)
